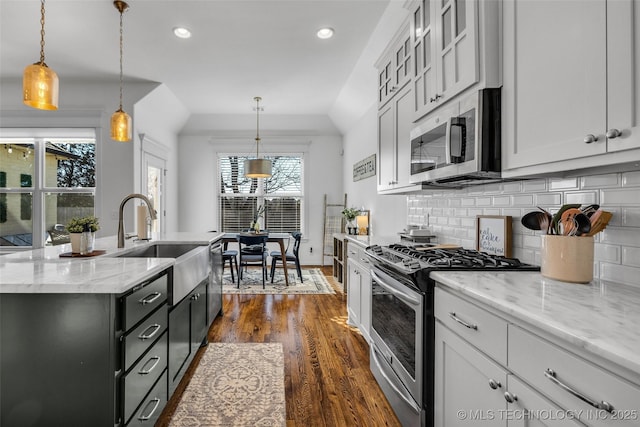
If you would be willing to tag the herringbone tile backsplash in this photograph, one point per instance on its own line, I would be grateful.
(451, 216)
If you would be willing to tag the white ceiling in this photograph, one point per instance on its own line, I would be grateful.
(239, 49)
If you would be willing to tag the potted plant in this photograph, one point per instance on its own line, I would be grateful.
(350, 215)
(77, 225)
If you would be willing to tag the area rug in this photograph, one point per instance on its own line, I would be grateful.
(314, 282)
(235, 385)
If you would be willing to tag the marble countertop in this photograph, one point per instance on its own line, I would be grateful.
(601, 317)
(44, 271)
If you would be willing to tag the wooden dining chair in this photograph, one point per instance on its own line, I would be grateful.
(230, 256)
(253, 251)
(290, 257)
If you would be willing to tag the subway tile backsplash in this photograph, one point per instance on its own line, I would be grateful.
(450, 214)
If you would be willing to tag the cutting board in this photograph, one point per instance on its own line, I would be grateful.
(439, 246)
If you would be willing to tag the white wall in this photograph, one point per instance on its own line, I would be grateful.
(356, 114)
(90, 104)
(160, 116)
(311, 135)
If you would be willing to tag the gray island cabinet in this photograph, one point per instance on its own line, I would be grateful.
(97, 342)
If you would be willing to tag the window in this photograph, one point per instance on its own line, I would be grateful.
(44, 181)
(281, 195)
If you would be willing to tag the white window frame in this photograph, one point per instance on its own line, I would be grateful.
(38, 137)
(259, 194)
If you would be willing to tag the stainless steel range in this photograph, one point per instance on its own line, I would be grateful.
(402, 321)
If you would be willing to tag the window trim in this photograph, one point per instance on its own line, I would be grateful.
(38, 190)
(260, 195)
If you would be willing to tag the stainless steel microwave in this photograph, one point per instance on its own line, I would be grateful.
(459, 144)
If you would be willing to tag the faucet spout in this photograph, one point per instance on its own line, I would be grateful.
(152, 214)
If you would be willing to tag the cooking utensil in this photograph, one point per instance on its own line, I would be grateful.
(568, 222)
(589, 210)
(583, 225)
(555, 221)
(599, 221)
(533, 220)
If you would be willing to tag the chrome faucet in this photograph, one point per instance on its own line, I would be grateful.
(152, 214)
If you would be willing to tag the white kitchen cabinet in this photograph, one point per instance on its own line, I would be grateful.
(571, 91)
(476, 384)
(394, 145)
(456, 44)
(358, 290)
(395, 65)
(469, 386)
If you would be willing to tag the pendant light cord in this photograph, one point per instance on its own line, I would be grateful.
(257, 99)
(121, 44)
(41, 32)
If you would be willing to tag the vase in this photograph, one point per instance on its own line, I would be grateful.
(351, 227)
(75, 242)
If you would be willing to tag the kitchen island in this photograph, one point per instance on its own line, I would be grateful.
(101, 340)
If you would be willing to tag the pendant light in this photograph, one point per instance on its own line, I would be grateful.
(257, 168)
(39, 82)
(121, 121)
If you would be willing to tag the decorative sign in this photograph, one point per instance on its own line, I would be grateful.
(493, 234)
(364, 168)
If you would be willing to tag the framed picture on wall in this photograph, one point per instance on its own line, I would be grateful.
(493, 234)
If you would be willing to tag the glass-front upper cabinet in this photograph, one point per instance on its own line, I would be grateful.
(445, 47)
(395, 66)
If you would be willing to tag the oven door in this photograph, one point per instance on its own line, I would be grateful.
(397, 333)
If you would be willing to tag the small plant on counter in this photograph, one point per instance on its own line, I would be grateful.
(76, 225)
(350, 213)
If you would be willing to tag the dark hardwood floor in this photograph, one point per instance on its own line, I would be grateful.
(327, 376)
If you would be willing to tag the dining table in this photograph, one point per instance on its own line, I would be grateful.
(279, 238)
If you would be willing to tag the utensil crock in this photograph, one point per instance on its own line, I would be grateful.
(567, 258)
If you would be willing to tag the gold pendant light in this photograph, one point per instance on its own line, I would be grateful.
(257, 168)
(39, 82)
(121, 121)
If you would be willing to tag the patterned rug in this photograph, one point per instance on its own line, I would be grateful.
(314, 282)
(235, 385)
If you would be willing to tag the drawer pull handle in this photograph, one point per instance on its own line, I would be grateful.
(494, 384)
(155, 360)
(150, 298)
(462, 322)
(509, 397)
(144, 336)
(551, 374)
(156, 403)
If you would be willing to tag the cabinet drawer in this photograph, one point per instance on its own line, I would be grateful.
(481, 328)
(358, 255)
(144, 374)
(151, 408)
(144, 300)
(142, 337)
(573, 380)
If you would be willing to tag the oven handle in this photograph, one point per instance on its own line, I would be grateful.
(409, 401)
(401, 295)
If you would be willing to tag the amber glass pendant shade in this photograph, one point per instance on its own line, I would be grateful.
(257, 168)
(40, 87)
(121, 126)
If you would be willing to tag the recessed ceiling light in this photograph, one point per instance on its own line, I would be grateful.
(325, 33)
(182, 32)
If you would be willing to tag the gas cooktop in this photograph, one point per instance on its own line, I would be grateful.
(411, 258)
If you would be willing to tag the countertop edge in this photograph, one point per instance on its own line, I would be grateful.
(594, 341)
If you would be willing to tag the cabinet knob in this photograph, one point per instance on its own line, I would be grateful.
(613, 133)
(494, 384)
(510, 397)
(590, 138)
